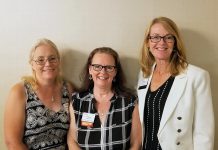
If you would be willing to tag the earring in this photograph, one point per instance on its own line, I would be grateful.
(90, 77)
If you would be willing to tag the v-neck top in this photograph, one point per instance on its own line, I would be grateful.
(44, 128)
(114, 133)
(154, 105)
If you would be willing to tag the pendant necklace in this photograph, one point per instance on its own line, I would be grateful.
(52, 98)
(101, 114)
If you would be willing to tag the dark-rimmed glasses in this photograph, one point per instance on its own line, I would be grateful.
(41, 60)
(107, 68)
(169, 38)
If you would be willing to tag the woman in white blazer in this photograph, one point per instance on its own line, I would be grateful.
(175, 101)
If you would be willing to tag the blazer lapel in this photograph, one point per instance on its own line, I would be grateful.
(143, 86)
(173, 98)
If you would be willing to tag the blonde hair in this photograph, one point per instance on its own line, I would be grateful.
(32, 80)
(178, 62)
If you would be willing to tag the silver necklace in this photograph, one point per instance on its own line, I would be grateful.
(100, 113)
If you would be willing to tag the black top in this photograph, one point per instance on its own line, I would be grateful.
(114, 133)
(154, 105)
(46, 129)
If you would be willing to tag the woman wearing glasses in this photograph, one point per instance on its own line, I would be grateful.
(106, 112)
(36, 113)
(175, 103)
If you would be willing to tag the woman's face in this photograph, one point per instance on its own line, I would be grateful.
(45, 63)
(102, 76)
(161, 50)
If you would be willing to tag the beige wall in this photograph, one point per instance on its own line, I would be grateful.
(78, 26)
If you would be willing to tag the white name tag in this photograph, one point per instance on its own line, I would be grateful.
(88, 117)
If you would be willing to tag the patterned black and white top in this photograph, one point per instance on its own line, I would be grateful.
(114, 134)
(44, 128)
(154, 105)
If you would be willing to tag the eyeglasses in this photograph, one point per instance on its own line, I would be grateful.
(42, 60)
(107, 68)
(169, 38)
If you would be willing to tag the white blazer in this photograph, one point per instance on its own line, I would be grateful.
(187, 121)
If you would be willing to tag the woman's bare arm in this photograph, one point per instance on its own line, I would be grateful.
(14, 118)
(71, 138)
(136, 132)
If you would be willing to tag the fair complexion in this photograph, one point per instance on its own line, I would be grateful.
(161, 51)
(102, 83)
(14, 119)
(136, 132)
(103, 93)
(102, 79)
(71, 137)
(102, 86)
(46, 75)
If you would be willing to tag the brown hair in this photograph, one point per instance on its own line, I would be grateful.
(118, 84)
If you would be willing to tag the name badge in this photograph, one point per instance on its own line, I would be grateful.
(87, 119)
